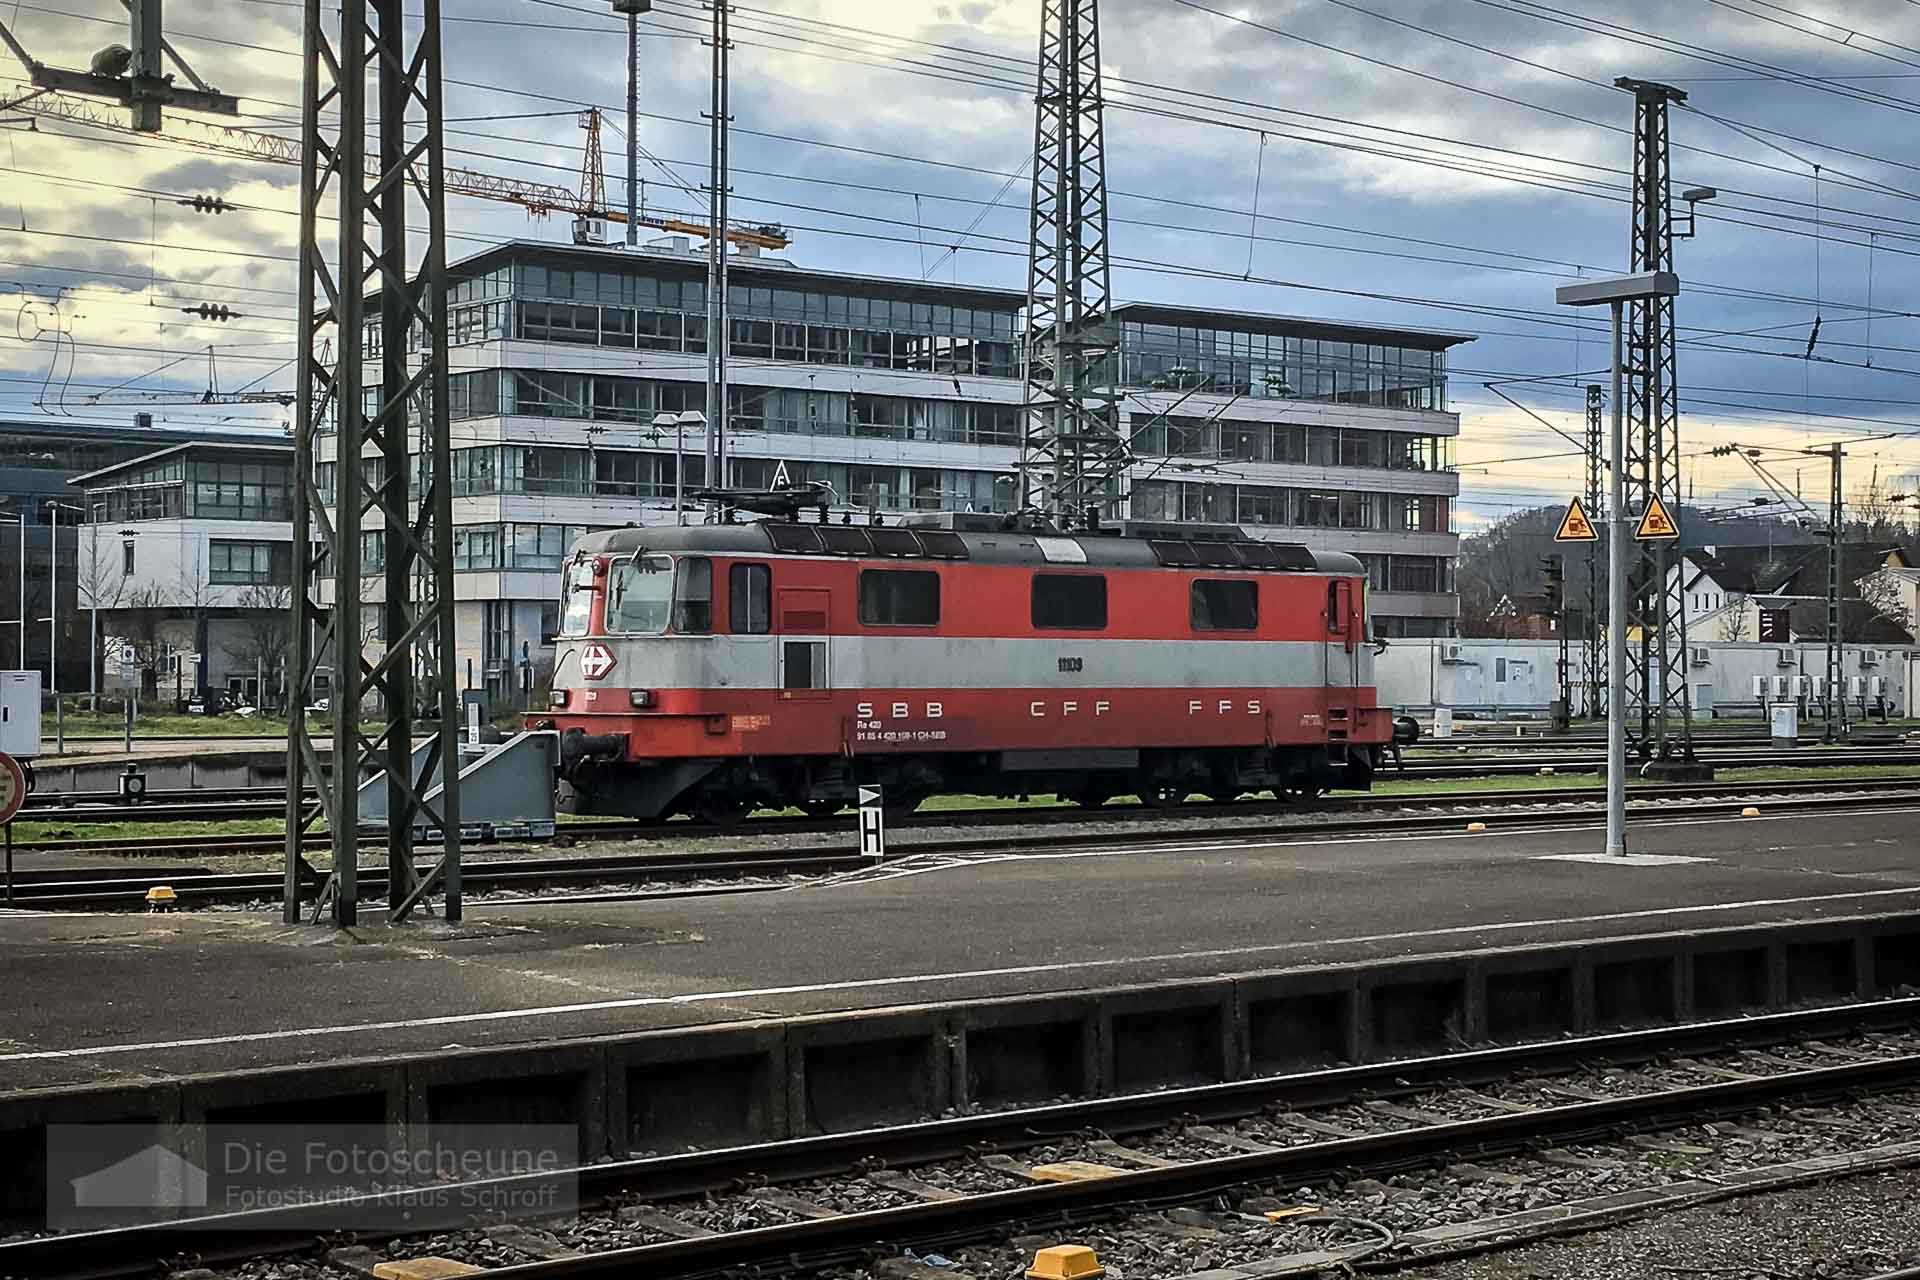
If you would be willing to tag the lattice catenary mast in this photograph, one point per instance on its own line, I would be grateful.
(396, 648)
(1594, 641)
(1073, 457)
(1656, 672)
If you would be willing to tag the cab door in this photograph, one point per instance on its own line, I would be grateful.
(750, 624)
(1343, 634)
(804, 617)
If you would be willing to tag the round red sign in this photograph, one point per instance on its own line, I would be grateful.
(13, 787)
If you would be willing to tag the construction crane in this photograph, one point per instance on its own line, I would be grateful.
(591, 204)
(539, 199)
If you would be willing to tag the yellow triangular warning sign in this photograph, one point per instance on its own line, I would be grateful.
(1656, 523)
(1574, 526)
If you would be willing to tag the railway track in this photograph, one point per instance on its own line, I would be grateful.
(266, 803)
(1681, 1113)
(1362, 815)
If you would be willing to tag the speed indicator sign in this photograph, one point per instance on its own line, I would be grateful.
(13, 787)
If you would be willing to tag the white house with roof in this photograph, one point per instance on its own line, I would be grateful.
(187, 557)
(1724, 588)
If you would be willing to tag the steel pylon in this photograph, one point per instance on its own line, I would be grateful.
(385, 625)
(1594, 641)
(1656, 672)
(1073, 455)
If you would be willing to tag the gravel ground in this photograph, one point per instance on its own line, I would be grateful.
(1836, 1231)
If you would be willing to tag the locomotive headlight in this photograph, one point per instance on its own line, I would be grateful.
(557, 698)
(641, 697)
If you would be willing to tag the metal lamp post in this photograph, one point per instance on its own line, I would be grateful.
(20, 614)
(93, 605)
(1616, 293)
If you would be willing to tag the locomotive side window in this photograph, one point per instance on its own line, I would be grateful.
(1224, 604)
(576, 605)
(805, 665)
(1339, 605)
(693, 596)
(899, 598)
(749, 599)
(1069, 601)
(640, 596)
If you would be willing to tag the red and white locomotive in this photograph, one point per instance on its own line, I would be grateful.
(714, 669)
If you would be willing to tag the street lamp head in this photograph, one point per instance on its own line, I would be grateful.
(1699, 195)
(1599, 293)
(633, 6)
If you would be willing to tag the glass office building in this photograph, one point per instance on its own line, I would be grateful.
(904, 395)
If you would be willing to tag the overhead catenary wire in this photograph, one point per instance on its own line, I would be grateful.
(1575, 331)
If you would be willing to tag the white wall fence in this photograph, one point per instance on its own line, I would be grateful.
(1518, 679)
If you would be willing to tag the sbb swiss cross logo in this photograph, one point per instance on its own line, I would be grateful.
(596, 660)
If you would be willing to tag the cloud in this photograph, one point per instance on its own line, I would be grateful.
(1500, 172)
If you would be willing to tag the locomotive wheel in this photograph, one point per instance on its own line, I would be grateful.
(821, 808)
(721, 811)
(1088, 799)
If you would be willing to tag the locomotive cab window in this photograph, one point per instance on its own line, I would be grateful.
(1069, 601)
(576, 604)
(749, 600)
(640, 596)
(693, 596)
(899, 598)
(1224, 604)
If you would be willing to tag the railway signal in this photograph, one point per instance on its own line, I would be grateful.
(1555, 568)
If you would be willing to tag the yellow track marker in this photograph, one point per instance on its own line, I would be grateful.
(1066, 1262)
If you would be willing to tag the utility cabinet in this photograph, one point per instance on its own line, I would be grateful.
(20, 714)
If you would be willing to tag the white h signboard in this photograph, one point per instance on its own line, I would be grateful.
(873, 825)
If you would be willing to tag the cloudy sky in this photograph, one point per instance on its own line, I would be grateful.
(1434, 163)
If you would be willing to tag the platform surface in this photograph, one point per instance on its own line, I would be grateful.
(94, 999)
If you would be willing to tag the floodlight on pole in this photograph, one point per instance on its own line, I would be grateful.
(1695, 197)
(631, 10)
(1616, 293)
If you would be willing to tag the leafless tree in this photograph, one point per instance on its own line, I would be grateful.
(98, 582)
(265, 633)
(1734, 620)
(195, 598)
(1882, 595)
(1877, 512)
(141, 631)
